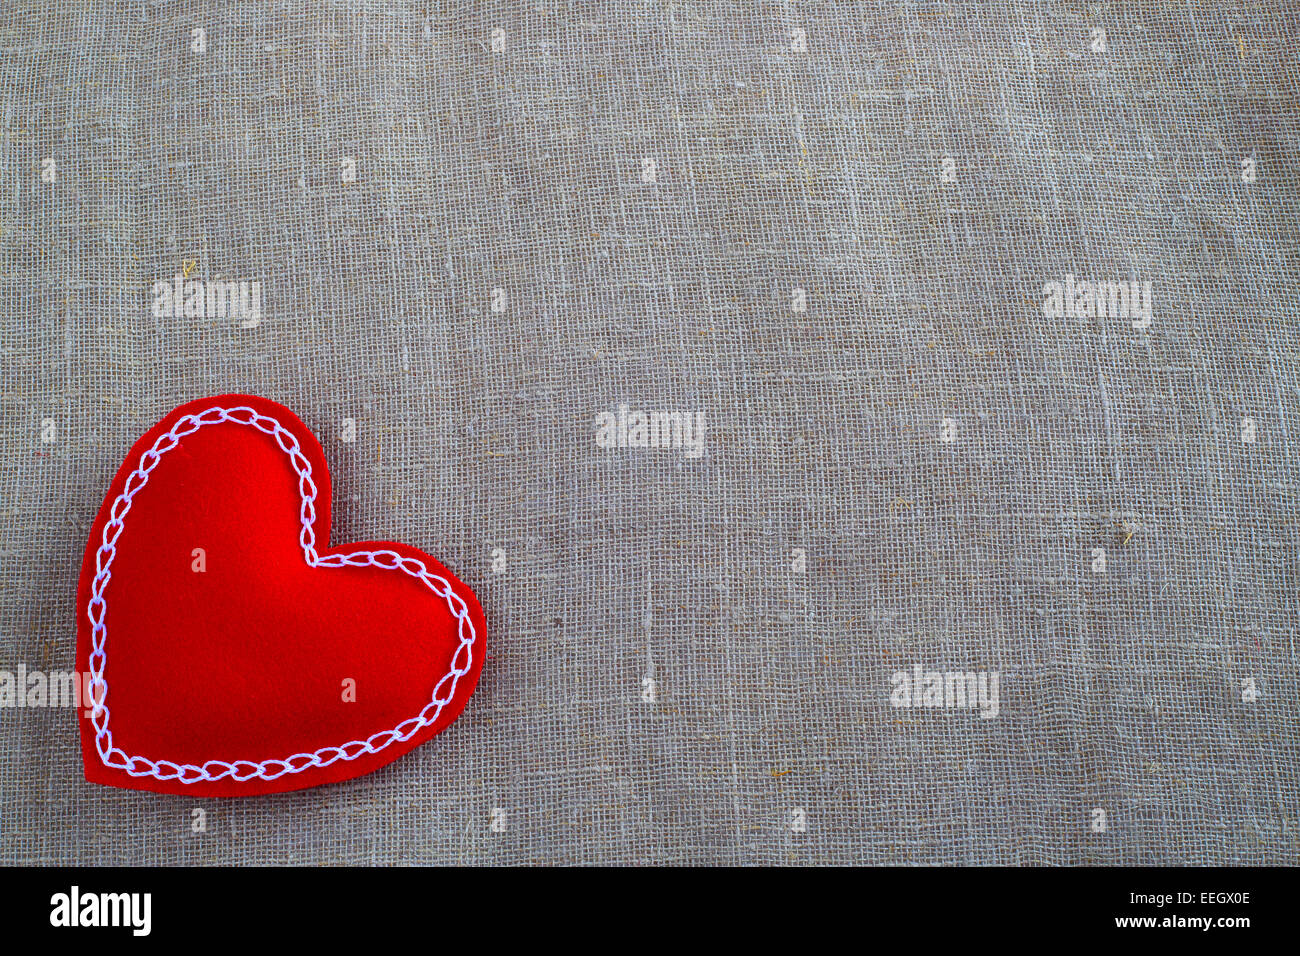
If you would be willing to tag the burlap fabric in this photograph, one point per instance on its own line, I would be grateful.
(827, 230)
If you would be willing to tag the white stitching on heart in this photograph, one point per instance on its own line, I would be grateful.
(136, 766)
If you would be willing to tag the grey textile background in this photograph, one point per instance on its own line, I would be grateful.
(781, 161)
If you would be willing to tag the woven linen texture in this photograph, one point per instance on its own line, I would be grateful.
(824, 229)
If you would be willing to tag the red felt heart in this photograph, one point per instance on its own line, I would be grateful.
(230, 652)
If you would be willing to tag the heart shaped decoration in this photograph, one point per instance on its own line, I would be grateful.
(229, 650)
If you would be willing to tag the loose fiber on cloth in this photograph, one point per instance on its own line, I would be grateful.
(470, 233)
